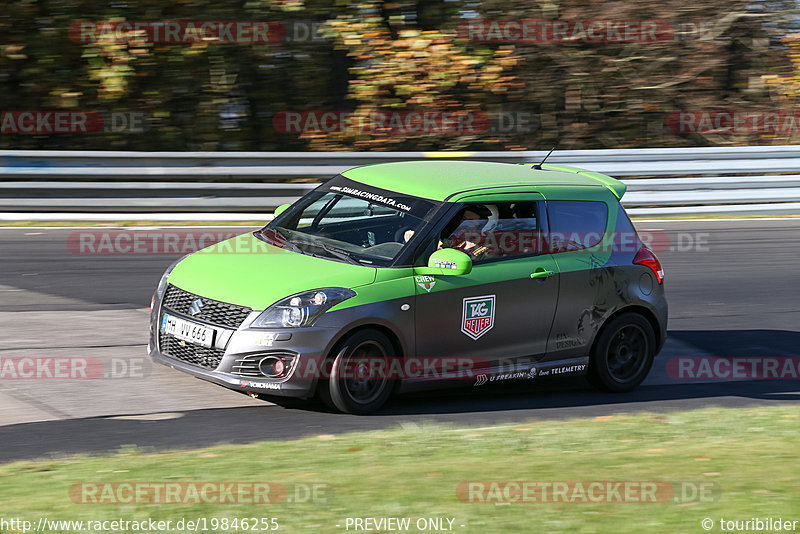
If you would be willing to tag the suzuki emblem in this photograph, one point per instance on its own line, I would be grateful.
(196, 307)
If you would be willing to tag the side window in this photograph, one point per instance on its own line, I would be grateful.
(576, 224)
(493, 230)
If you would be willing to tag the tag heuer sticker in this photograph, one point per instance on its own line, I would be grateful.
(478, 315)
(425, 282)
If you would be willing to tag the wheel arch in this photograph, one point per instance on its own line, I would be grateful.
(337, 342)
(383, 329)
(645, 312)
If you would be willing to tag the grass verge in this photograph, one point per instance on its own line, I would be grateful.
(749, 456)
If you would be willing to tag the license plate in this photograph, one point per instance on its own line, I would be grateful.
(187, 330)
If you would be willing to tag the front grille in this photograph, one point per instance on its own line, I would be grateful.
(190, 353)
(213, 311)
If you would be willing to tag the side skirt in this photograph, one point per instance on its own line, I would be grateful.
(517, 372)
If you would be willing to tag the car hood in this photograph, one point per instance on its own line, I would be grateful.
(249, 272)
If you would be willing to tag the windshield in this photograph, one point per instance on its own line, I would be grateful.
(349, 221)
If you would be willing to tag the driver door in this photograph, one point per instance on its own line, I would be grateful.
(497, 313)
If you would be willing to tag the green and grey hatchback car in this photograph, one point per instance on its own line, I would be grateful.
(405, 276)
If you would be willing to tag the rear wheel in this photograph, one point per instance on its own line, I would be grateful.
(359, 381)
(623, 354)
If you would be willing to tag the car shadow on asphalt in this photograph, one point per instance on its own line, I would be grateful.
(576, 398)
(745, 345)
(208, 427)
(488, 405)
(742, 343)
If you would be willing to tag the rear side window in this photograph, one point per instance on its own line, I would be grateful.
(576, 224)
(625, 237)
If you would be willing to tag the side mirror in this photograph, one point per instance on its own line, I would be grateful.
(280, 209)
(447, 261)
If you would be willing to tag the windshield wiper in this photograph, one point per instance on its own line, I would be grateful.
(336, 253)
(341, 254)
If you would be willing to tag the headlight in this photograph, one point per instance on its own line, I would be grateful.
(302, 309)
(162, 284)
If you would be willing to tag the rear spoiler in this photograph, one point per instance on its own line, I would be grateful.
(616, 187)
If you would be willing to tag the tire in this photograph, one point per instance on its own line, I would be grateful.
(623, 354)
(345, 390)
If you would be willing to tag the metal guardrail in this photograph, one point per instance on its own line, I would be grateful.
(80, 185)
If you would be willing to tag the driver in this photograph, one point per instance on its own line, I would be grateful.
(467, 224)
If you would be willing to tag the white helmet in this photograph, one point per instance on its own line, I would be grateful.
(493, 218)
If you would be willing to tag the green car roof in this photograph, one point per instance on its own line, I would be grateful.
(439, 180)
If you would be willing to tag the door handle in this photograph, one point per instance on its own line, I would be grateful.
(541, 272)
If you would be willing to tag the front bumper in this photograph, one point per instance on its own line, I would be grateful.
(246, 344)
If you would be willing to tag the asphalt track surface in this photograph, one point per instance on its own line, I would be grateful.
(733, 289)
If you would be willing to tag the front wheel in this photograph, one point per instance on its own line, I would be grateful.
(359, 382)
(623, 354)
